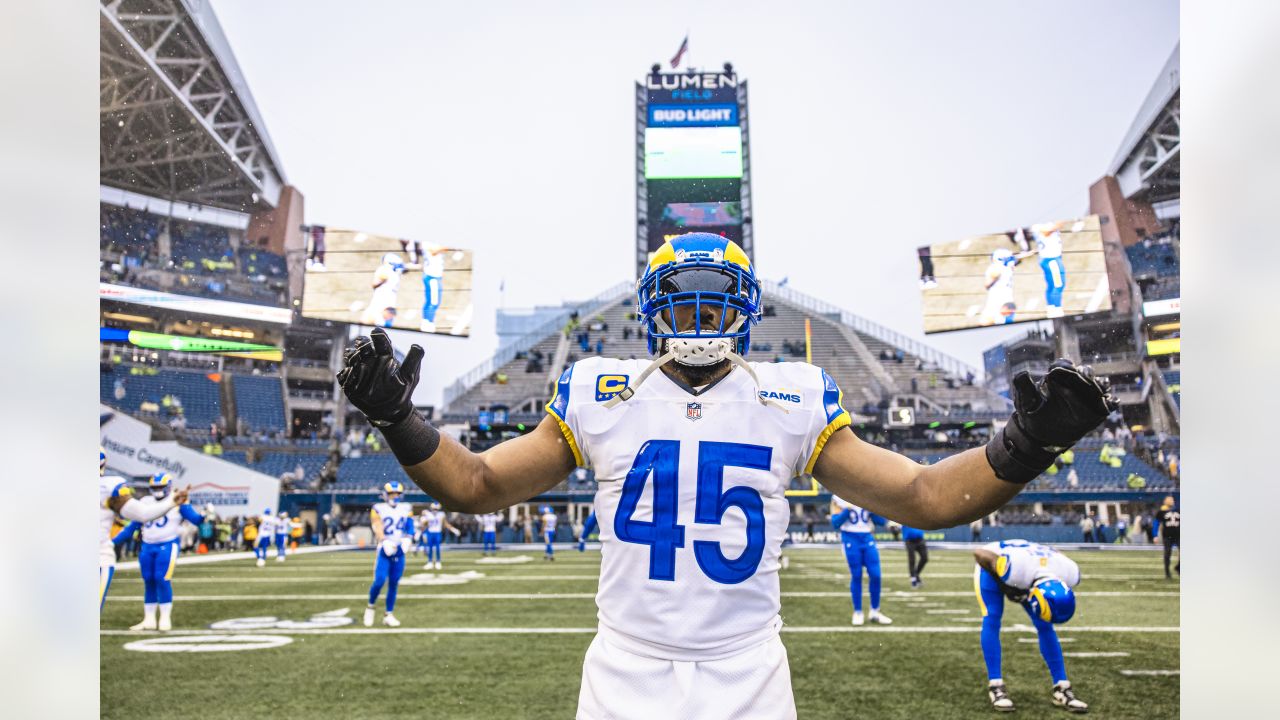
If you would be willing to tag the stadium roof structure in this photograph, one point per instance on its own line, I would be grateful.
(1148, 163)
(177, 120)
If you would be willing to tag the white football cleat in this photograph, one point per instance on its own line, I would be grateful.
(279, 558)
(428, 566)
(786, 562)
(390, 620)
(165, 623)
(857, 618)
(368, 617)
(427, 326)
(439, 565)
(261, 562)
(148, 623)
(880, 618)
(1065, 697)
(999, 697)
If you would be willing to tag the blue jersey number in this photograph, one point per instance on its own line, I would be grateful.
(158, 522)
(664, 535)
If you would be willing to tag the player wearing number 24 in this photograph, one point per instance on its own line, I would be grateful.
(692, 513)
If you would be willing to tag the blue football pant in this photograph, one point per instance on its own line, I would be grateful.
(859, 555)
(387, 569)
(548, 536)
(433, 546)
(1055, 280)
(991, 601)
(104, 584)
(490, 541)
(280, 545)
(260, 548)
(157, 560)
(430, 297)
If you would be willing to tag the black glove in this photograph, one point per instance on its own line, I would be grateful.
(1017, 595)
(375, 383)
(1049, 416)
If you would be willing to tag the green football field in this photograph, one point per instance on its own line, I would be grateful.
(507, 640)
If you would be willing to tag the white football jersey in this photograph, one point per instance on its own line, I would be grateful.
(396, 521)
(109, 486)
(489, 522)
(282, 525)
(859, 518)
(1021, 563)
(690, 500)
(266, 525)
(1048, 240)
(548, 522)
(384, 296)
(164, 528)
(434, 520)
(433, 262)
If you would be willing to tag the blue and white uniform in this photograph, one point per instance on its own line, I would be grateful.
(396, 522)
(434, 526)
(109, 486)
(432, 290)
(159, 554)
(1021, 564)
(548, 521)
(489, 526)
(266, 528)
(588, 527)
(860, 551)
(692, 510)
(1049, 247)
(282, 534)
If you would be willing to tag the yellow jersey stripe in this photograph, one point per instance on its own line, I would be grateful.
(568, 436)
(841, 420)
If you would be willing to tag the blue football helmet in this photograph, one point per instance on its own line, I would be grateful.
(1003, 256)
(392, 491)
(394, 261)
(160, 484)
(1051, 600)
(434, 506)
(695, 271)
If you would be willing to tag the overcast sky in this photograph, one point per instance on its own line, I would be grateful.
(508, 127)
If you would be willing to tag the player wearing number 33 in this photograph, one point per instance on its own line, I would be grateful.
(693, 453)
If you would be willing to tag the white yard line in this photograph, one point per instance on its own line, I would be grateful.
(1091, 654)
(1133, 673)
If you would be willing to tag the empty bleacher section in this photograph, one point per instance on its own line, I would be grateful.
(259, 403)
(144, 249)
(1156, 265)
(367, 473)
(871, 364)
(162, 394)
(281, 463)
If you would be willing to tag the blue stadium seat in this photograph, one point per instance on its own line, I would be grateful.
(199, 395)
(259, 401)
(368, 472)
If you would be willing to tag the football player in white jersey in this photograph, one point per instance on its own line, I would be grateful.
(1049, 247)
(856, 535)
(266, 528)
(547, 520)
(116, 497)
(282, 535)
(998, 280)
(1040, 579)
(489, 526)
(381, 310)
(434, 523)
(159, 555)
(392, 523)
(693, 453)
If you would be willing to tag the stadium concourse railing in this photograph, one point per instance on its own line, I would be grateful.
(938, 358)
(554, 324)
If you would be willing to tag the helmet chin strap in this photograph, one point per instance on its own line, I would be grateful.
(706, 352)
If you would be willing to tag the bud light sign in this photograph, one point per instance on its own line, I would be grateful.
(693, 115)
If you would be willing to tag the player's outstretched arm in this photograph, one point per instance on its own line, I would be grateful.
(507, 473)
(1050, 415)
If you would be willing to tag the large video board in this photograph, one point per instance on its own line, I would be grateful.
(1045, 271)
(374, 280)
(694, 158)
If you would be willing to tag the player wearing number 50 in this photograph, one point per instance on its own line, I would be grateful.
(159, 554)
(693, 454)
(392, 523)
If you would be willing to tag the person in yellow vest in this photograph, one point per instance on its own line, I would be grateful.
(250, 534)
(295, 531)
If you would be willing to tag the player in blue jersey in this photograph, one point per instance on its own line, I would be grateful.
(860, 551)
(694, 449)
(547, 521)
(588, 527)
(392, 523)
(917, 553)
(159, 554)
(1041, 580)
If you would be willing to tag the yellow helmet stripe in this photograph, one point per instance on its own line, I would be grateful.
(1045, 612)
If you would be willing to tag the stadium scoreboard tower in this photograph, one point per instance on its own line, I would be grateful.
(693, 165)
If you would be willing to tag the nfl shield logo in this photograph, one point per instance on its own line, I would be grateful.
(693, 411)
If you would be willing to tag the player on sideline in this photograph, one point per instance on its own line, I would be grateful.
(913, 541)
(115, 497)
(1041, 580)
(266, 528)
(854, 524)
(1169, 525)
(489, 525)
(698, 448)
(282, 536)
(435, 522)
(547, 521)
(588, 526)
(392, 523)
(159, 555)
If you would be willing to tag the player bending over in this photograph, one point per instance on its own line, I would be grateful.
(392, 523)
(855, 526)
(159, 555)
(588, 527)
(1040, 579)
(435, 522)
(489, 525)
(115, 497)
(547, 520)
(693, 459)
